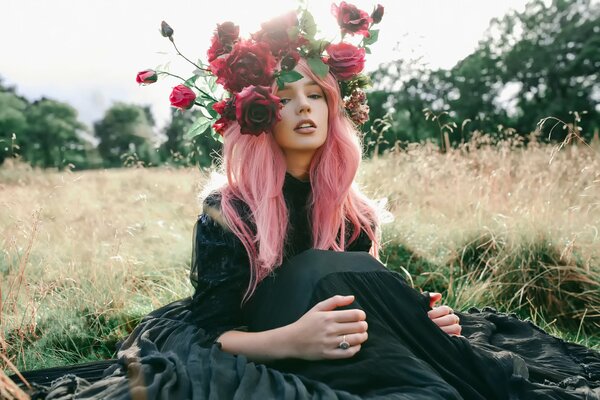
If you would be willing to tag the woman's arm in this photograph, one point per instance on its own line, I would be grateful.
(315, 336)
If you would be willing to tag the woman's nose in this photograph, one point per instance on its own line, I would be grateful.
(303, 105)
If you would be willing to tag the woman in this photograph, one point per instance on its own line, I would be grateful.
(291, 301)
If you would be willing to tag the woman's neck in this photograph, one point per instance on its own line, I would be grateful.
(298, 165)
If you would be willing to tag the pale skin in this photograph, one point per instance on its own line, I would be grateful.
(316, 335)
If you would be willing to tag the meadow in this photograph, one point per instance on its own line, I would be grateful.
(86, 254)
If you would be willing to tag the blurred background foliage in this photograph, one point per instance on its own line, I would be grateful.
(541, 62)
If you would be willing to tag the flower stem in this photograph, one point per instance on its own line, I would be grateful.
(187, 59)
(179, 77)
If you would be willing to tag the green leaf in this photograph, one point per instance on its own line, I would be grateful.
(200, 72)
(318, 66)
(198, 128)
(374, 35)
(215, 135)
(280, 83)
(367, 50)
(290, 76)
(211, 81)
(191, 81)
(307, 24)
(209, 108)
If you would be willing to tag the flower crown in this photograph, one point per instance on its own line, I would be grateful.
(246, 69)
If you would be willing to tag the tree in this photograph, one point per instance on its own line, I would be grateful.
(12, 122)
(126, 130)
(180, 150)
(52, 136)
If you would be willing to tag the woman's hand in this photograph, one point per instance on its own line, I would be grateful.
(443, 316)
(318, 333)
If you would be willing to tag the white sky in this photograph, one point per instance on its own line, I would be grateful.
(87, 52)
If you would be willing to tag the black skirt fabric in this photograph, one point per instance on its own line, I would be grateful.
(170, 356)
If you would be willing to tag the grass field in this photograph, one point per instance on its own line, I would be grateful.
(86, 254)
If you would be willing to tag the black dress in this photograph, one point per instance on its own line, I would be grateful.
(172, 354)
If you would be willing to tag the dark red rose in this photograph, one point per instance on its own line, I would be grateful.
(351, 19)
(146, 77)
(223, 40)
(279, 33)
(290, 60)
(345, 60)
(182, 97)
(256, 110)
(226, 108)
(248, 64)
(377, 14)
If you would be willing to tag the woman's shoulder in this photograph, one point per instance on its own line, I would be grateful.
(212, 209)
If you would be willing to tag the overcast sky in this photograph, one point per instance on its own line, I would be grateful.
(87, 52)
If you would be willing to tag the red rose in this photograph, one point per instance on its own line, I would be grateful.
(182, 97)
(279, 33)
(223, 39)
(256, 110)
(226, 108)
(146, 77)
(351, 19)
(377, 14)
(248, 64)
(345, 60)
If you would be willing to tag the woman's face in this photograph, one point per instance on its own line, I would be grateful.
(304, 117)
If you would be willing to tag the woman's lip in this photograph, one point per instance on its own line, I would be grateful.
(305, 130)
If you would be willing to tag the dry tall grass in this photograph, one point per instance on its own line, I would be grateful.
(86, 254)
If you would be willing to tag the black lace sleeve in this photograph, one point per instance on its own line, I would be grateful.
(220, 274)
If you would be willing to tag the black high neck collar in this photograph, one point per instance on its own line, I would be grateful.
(295, 188)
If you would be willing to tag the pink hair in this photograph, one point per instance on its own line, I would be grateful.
(255, 168)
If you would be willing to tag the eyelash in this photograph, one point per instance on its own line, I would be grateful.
(318, 96)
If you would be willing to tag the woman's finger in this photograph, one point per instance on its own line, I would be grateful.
(434, 298)
(347, 353)
(354, 339)
(348, 315)
(439, 312)
(351, 327)
(447, 320)
(452, 329)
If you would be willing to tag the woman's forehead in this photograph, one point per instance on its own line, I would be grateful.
(299, 84)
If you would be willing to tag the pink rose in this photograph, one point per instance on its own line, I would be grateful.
(345, 60)
(182, 97)
(146, 77)
(256, 110)
(351, 19)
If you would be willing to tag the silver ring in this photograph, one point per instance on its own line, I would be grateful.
(343, 344)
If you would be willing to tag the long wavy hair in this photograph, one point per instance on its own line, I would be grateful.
(255, 168)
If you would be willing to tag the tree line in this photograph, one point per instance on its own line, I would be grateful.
(541, 62)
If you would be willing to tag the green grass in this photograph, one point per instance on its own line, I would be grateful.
(86, 255)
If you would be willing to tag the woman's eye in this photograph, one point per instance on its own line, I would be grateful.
(315, 96)
(284, 101)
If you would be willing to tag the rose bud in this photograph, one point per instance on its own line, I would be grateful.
(256, 109)
(226, 108)
(289, 61)
(377, 14)
(166, 30)
(182, 97)
(146, 77)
